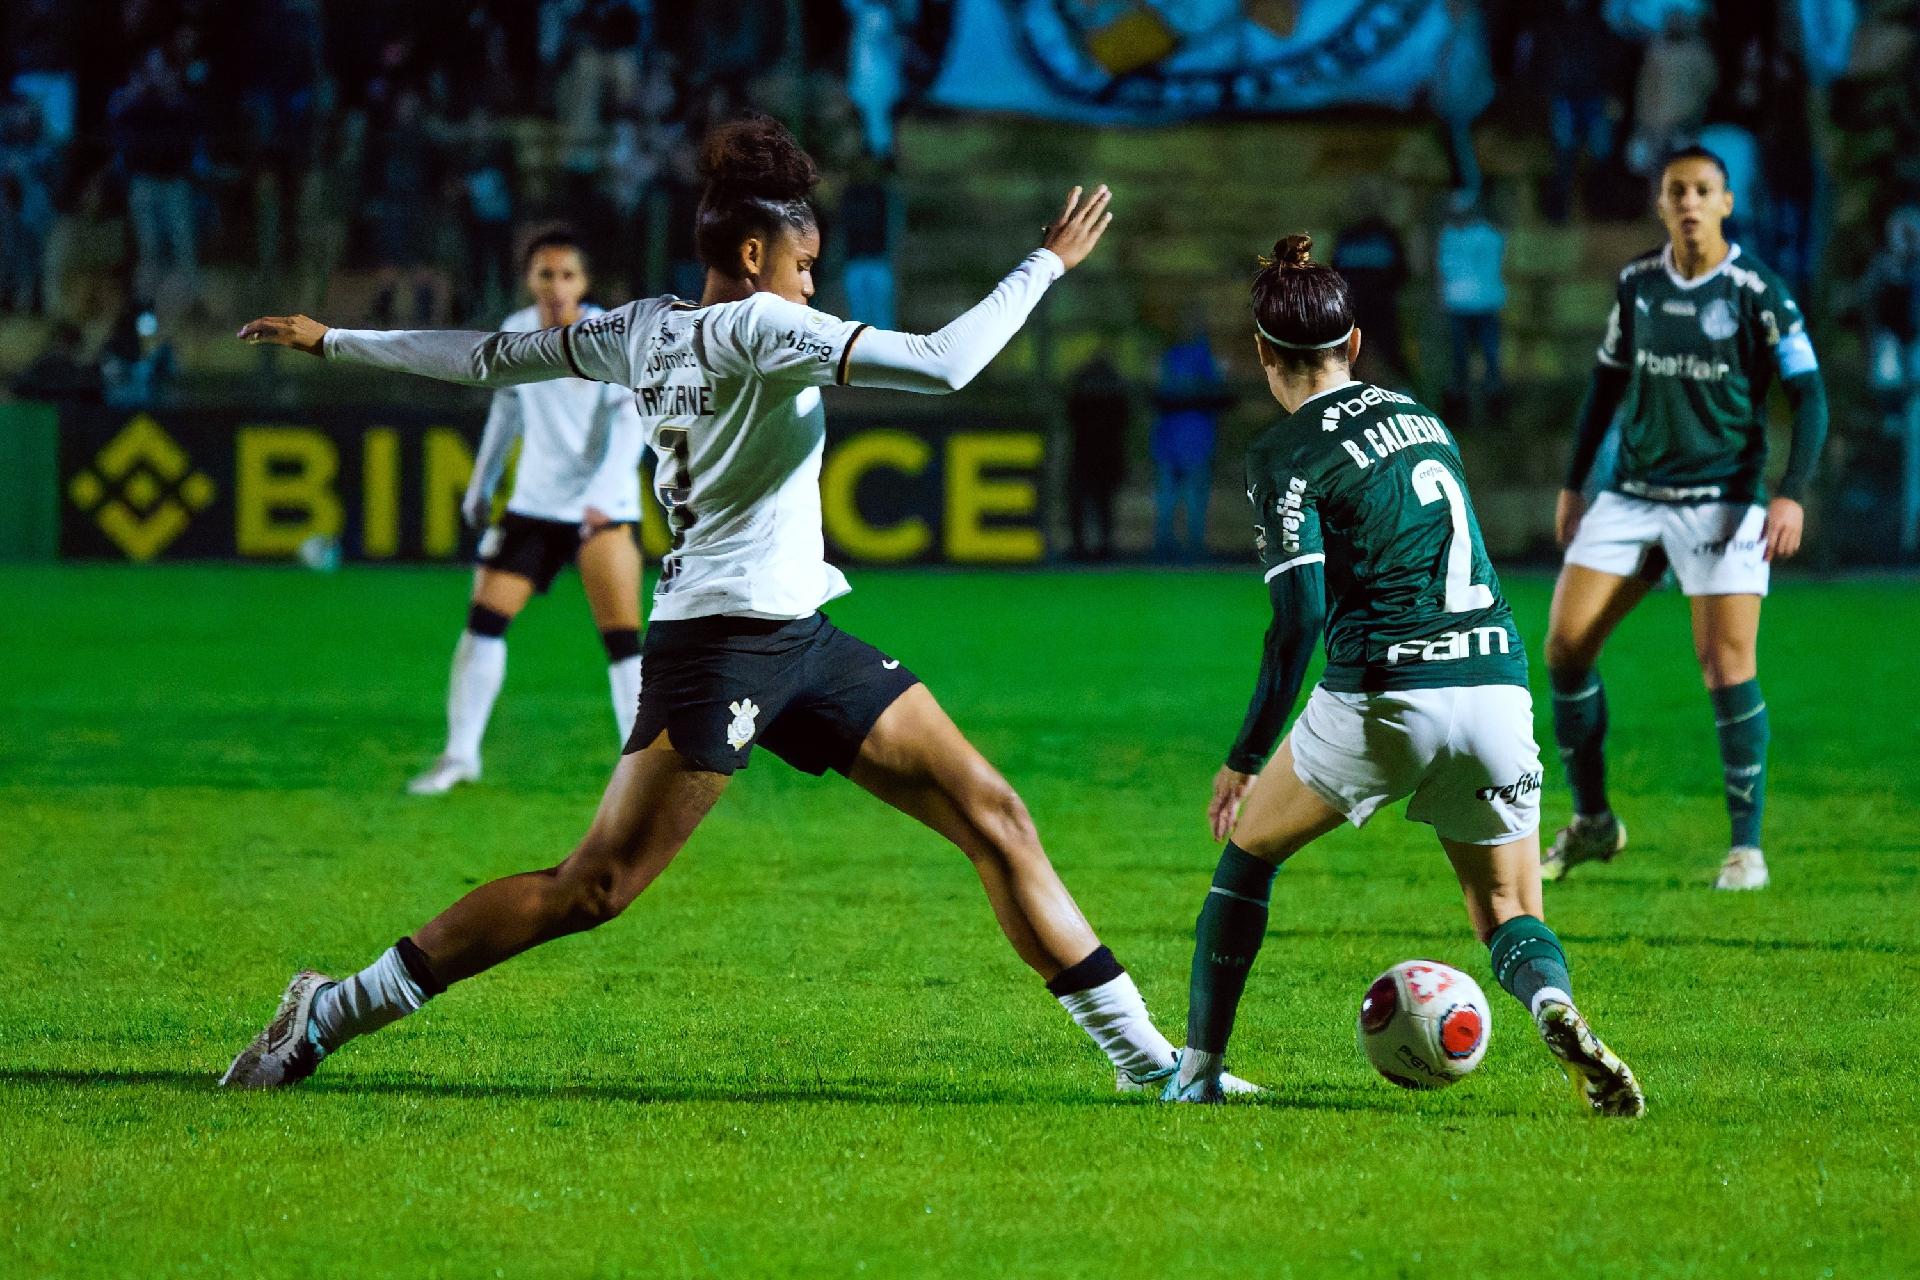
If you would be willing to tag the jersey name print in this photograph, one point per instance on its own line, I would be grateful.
(1700, 355)
(1368, 482)
(729, 400)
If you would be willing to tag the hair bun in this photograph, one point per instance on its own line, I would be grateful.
(755, 156)
(1295, 251)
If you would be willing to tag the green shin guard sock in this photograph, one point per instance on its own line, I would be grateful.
(1527, 960)
(1740, 713)
(1232, 924)
(1580, 729)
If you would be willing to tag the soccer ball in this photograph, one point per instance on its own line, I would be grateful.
(1424, 1024)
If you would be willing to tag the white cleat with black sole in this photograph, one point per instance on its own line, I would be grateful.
(284, 1053)
(1602, 1081)
(444, 775)
(1745, 868)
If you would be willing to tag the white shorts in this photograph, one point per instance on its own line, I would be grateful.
(1715, 548)
(1466, 755)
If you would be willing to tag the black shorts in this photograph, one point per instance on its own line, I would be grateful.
(535, 549)
(805, 690)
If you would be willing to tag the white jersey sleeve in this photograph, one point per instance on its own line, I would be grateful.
(937, 363)
(602, 348)
(779, 341)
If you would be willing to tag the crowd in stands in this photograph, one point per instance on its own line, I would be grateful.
(298, 137)
(382, 161)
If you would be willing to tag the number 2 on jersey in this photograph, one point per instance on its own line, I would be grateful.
(1432, 483)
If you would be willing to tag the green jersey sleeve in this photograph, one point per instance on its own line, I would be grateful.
(1287, 528)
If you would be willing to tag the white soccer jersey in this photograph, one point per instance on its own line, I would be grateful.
(729, 401)
(730, 398)
(580, 443)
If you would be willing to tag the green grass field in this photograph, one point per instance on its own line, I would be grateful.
(808, 1052)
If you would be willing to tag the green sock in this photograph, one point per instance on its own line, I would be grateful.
(1232, 924)
(1527, 960)
(1580, 729)
(1741, 715)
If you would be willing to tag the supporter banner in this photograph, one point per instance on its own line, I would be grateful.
(1154, 61)
(208, 484)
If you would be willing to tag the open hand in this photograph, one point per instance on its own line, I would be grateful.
(1079, 227)
(1566, 516)
(1786, 520)
(298, 332)
(1230, 787)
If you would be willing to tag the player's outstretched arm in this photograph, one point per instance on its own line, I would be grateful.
(464, 356)
(937, 363)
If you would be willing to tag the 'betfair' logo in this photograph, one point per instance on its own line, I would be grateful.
(141, 489)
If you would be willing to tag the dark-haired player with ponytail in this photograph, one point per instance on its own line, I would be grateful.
(737, 653)
(575, 500)
(1365, 533)
(1697, 333)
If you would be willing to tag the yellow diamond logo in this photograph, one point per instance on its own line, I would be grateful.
(141, 489)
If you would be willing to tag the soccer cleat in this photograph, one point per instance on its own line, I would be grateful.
(1583, 840)
(445, 774)
(284, 1053)
(1599, 1078)
(1745, 868)
(1125, 1081)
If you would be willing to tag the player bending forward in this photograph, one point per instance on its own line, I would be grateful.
(1364, 527)
(576, 498)
(737, 652)
(1697, 332)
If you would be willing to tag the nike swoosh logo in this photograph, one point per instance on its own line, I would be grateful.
(889, 663)
(1741, 793)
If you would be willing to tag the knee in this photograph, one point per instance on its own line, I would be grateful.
(1570, 654)
(588, 896)
(997, 810)
(1724, 663)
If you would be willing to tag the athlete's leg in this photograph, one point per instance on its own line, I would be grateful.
(1726, 636)
(652, 804)
(479, 669)
(1587, 606)
(919, 762)
(609, 563)
(1501, 884)
(1281, 815)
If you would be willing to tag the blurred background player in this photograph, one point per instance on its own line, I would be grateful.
(575, 500)
(1359, 497)
(1698, 331)
(738, 652)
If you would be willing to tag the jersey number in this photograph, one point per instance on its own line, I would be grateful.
(672, 485)
(1432, 482)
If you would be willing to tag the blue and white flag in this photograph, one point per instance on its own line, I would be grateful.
(1156, 61)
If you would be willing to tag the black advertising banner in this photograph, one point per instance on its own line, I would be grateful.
(226, 484)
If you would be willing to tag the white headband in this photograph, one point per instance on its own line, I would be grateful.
(1302, 346)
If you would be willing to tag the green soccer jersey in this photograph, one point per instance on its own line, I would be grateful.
(1700, 355)
(1368, 483)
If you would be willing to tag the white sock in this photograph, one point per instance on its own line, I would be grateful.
(1545, 994)
(382, 992)
(624, 679)
(1198, 1064)
(479, 669)
(1116, 1017)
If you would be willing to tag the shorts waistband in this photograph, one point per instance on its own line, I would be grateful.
(683, 632)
